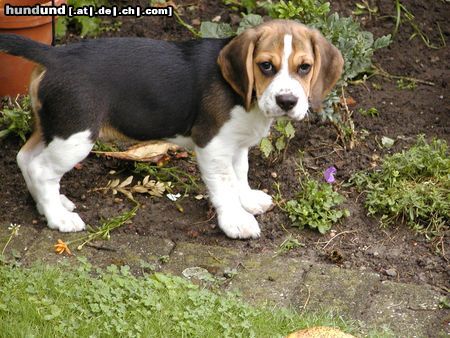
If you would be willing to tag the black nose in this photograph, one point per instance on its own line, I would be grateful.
(286, 101)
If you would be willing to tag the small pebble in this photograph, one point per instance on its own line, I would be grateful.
(391, 272)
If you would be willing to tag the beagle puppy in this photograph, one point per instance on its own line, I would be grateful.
(216, 96)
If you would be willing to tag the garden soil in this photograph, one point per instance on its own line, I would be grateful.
(396, 253)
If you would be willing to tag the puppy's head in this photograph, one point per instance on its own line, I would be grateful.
(285, 64)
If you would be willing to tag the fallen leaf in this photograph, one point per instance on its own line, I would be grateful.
(387, 142)
(152, 151)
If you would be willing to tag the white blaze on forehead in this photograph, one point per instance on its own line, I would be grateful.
(287, 51)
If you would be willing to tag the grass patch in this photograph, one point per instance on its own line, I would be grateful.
(46, 301)
(412, 186)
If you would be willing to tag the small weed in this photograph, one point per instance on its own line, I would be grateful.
(101, 232)
(103, 146)
(15, 118)
(164, 259)
(14, 232)
(290, 243)
(177, 176)
(406, 84)
(277, 143)
(363, 8)
(412, 186)
(372, 112)
(315, 205)
(403, 12)
(238, 5)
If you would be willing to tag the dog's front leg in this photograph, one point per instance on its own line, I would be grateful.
(254, 201)
(216, 165)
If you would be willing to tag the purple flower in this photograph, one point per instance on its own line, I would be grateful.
(329, 174)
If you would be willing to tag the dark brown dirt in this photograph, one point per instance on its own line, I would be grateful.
(359, 241)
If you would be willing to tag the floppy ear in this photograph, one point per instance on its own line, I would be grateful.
(328, 66)
(236, 63)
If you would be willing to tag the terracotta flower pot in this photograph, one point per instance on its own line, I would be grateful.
(15, 71)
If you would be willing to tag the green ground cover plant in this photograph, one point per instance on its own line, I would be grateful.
(47, 301)
(15, 118)
(87, 26)
(315, 205)
(412, 186)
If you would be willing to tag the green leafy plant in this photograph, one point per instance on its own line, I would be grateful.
(177, 176)
(372, 112)
(405, 84)
(364, 8)
(248, 5)
(277, 143)
(15, 118)
(315, 205)
(412, 186)
(290, 243)
(88, 26)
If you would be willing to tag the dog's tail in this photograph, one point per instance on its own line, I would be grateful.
(29, 49)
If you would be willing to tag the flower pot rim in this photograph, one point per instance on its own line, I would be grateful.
(21, 22)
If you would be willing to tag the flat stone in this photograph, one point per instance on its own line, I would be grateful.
(409, 310)
(333, 288)
(268, 279)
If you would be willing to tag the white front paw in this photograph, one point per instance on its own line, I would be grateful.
(255, 201)
(68, 204)
(239, 224)
(65, 221)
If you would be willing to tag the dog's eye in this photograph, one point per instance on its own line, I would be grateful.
(304, 68)
(267, 68)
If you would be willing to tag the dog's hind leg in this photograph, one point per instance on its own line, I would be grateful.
(33, 147)
(44, 172)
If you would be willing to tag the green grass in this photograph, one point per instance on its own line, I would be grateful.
(45, 301)
(412, 186)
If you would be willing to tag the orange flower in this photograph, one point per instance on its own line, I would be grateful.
(61, 247)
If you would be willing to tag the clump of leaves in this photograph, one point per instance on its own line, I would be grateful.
(412, 186)
(372, 112)
(15, 118)
(290, 243)
(277, 143)
(88, 26)
(406, 84)
(315, 205)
